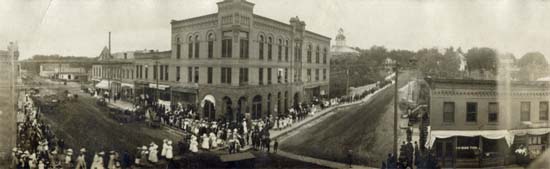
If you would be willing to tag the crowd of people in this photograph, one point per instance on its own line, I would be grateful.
(39, 148)
(411, 156)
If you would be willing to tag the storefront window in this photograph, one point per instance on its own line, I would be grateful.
(467, 147)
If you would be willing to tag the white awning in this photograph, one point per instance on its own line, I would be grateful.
(127, 85)
(103, 84)
(489, 134)
(160, 87)
(209, 98)
(533, 131)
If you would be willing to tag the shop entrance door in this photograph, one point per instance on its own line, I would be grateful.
(445, 152)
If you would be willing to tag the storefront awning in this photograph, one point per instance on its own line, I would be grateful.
(184, 90)
(160, 87)
(489, 134)
(127, 85)
(209, 98)
(532, 131)
(103, 84)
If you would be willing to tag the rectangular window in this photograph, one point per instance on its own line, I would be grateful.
(190, 74)
(155, 72)
(493, 112)
(196, 74)
(280, 75)
(268, 75)
(166, 73)
(226, 75)
(210, 49)
(210, 70)
(197, 47)
(244, 48)
(226, 48)
(286, 75)
(449, 112)
(471, 112)
(324, 74)
(178, 74)
(137, 69)
(243, 76)
(308, 75)
(525, 111)
(178, 51)
(316, 74)
(146, 72)
(161, 72)
(261, 76)
(543, 107)
(190, 48)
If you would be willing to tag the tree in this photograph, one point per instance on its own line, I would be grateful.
(532, 65)
(482, 59)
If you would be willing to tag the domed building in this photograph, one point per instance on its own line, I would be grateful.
(340, 49)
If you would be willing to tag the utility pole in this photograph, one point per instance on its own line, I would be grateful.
(347, 81)
(156, 71)
(395, 113)
(110, 71)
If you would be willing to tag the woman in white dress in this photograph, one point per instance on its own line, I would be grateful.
(164, 145)
(169, 151)
(97, 162)
(205, 142)
(213, 140)
(194, 146)
(153, 151)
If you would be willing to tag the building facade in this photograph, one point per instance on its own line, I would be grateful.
(113, 74)
(235, 62)
(479, 123)
(8, 102)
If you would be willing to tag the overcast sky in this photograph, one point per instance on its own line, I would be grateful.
(79, 27)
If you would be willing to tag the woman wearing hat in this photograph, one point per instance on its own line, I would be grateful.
(163, 151)
(80, 160)
(98, 161)
(138, 156)
(153, 153)
(68, 159)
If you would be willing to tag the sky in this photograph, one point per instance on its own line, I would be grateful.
(80, 27)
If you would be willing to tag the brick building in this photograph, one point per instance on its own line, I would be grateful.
(239, 62)
(478, 123)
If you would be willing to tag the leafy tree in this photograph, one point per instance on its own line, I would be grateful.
(532, 65)
(482, 59)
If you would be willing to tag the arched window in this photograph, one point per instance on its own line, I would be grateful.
(197, 46)
(317, 59)
(309, 53)
(178, 48)
(211, 45)
(227, 108)
(269, 48)
(286, 50)
(257, 107)
(324, 55)
(190, 47)
(261, 47)
(280, 50)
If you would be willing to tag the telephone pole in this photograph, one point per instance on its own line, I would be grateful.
(395, 111)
